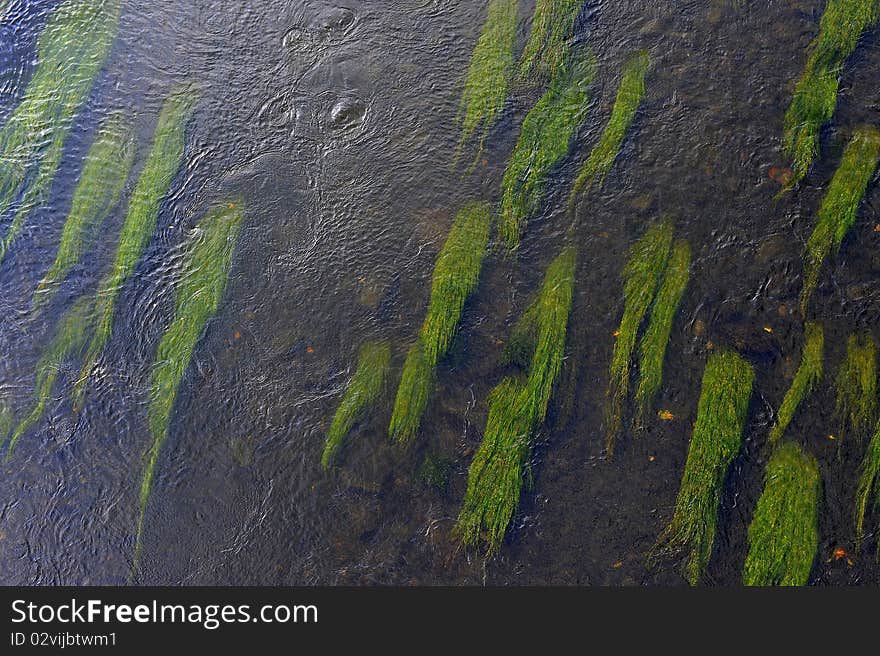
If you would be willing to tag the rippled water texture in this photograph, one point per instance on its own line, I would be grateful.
(335, 124)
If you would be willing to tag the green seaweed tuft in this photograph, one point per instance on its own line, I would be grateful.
(815, 96)
(809, 373)
(517, 408)
(869, 486)
(163, 162)
(642, 276)
(491, 68)
(105, 172)
(716, 440)
(70, 53)
(857, 386)
(629, 97)
(784, 533)
(456, 275)
(200, 291)
(549, 41)
(70, 338)
(652, 348)
(362, 392)
(546, 137)
(840, 205)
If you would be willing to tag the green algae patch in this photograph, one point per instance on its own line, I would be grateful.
(456, 275)
(784, 533)
(546, 138)
(517, 408)
(105, 172)
(868, 487)
(840, 206)
(652, 348)
(71, 51)
(490, 72)
(716, 440)
(200, 291)
(68, 342)
(629, 98)
(549, 41)
(642, 277)
(857, 386)
(815, 96)
(374, 361)
(808, 375)
(163, 162)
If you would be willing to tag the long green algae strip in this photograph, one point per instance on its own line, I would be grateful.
(456, 275)
(516, 409)
(815, 96)
(545, 139)
(163, 162)
(716, 440)
(840, 206)
(857, 386)
(784, 534)
(491, 68)
(68, 342)
(549, 41)
(808, 375)
(629, 97)
(642, 277)
(202, 284)
(361, 394)
(70, 52)
(868, 487)
(105, 172)
(652, 348)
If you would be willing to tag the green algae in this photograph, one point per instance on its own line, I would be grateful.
(857, 386)
(517, 408)
(70, 53)
(784, 533)
(815, 96)
(868, 487)
(837, 213)
(629, 97)
(808, 375)
(716, 440)
(549, 41)
(545, 139)
(456, 275)
(163, 162)
(374, 361)
(68, 342)
(490, 72)
(642, 277)
(652, 348)
(99, 190)
(200, 291)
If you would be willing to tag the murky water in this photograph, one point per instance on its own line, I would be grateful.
(336, 123)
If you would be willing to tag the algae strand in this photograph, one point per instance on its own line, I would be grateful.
(164, 160)
(200, 291)
(815, 96)
(868, 487)
(71, 51)
(456, 275)
(857, 386)
(99, 190)
(784, 533)
(809, 373)
(642, 276)
(837, 213)
(545, 139)
(716, 440)
(360, 395)
(552, 31)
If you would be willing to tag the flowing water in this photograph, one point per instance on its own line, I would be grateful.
(336, 124)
